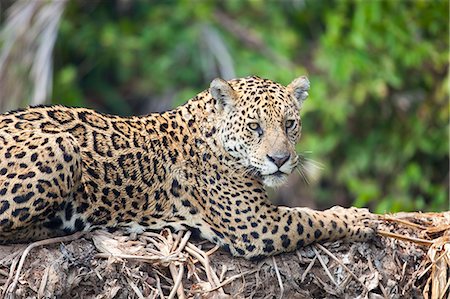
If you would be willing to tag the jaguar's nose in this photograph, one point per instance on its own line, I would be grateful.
(279, 159)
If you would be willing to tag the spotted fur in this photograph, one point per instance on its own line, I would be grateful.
(203, 166)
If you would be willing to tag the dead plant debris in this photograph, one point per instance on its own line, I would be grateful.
(410, 259)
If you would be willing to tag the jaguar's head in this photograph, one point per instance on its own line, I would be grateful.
(260, 124)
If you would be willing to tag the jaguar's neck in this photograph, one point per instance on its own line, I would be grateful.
(195, 121)
(205, 125)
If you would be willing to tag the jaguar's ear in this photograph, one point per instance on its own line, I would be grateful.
(223, 93)
(299, 89)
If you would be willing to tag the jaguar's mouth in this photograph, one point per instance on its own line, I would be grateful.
(278, 173)
(275, 179)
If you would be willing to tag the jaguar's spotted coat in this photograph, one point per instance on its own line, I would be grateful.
(202, 166)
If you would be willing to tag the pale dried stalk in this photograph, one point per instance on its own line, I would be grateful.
(280, 281)
(10, 275)
(158, 286)
(43, 283)
(183, 242)
(311, 264)
(325, 267)
(135, 289)
(72, 237)
(405, 238)
(339, 262)
(229, 280)
(199, 254)
(177, 285)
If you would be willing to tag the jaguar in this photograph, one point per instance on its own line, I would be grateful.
(203, 166)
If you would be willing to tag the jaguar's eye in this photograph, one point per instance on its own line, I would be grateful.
(254, 126)
(289, 123)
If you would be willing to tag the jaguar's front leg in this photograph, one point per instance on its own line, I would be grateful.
(266, 230)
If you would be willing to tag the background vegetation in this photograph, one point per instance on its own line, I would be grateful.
(377, 119)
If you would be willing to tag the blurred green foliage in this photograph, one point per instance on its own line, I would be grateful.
(378, 113)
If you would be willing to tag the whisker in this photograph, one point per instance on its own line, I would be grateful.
(303, 175)
(308, 168)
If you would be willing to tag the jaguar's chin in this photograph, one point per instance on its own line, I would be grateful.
(275, 179)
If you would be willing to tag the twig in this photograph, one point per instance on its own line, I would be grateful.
(183, 242)
(213, 280)
(212, 250)
(325, 266)
(11, 274)
(176, 240)
(346, 281)
(7, 259)
(311, 264)
(383, 290)
(372, 270)
(158, 286)
(144, 258)
(444, 291)
(228, 280)
(177, 286)
(404, 269)
(43, 283)
(72, 237)
(280, 281)
(437, 229)
(340, 263)
(135, 289)
(405, 238)
(4, 273)
(223, 272)
(433, 263)
(405, 222)
(197, 253)
(241, 289)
